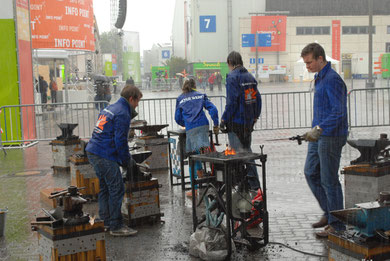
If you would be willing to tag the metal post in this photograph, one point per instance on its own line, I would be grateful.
(257, 57)
(66, 63)
(370, 82)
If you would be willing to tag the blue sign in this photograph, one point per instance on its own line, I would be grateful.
(248, 40)
(264, 40)
(253, 60)
(207, 23)
(166, 54)
(114, 66)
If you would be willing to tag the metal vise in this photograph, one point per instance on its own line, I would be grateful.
(369, 219)
(369, 149)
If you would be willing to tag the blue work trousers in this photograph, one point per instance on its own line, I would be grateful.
(236, 144)
(321, 172)
(111, 192)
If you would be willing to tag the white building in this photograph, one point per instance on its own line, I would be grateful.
(157, 56)
(206, 31)
(352, 53)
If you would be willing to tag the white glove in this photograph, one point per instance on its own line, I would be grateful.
(313, 135)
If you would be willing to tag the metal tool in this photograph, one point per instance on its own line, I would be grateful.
(369, 219)
(371, 151)
(298, 138)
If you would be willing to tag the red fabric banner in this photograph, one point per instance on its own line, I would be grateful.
(336, 32)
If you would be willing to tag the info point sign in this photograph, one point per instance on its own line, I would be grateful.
(66, 24)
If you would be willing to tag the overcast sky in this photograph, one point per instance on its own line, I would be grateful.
(151, 18)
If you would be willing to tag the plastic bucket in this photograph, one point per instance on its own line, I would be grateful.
(3, 214)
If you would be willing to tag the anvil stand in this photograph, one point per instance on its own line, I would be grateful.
(182, 154)
(228, 163)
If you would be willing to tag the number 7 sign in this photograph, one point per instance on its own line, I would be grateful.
(207, 23)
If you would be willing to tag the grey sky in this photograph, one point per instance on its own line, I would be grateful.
(151, 18)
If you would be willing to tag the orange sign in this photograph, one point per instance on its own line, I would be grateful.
(336, 31)
(62, 24)
(274, 25)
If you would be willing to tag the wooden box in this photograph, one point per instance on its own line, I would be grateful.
(83, 175)
(44, 196)
(141, 202)
(81, 242)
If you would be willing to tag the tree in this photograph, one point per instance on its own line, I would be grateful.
(176, 65)
(111, 42)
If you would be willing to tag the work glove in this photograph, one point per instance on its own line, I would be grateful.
(216, 129)
(313, 135)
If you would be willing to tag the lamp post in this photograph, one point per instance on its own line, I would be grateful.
(370, 83)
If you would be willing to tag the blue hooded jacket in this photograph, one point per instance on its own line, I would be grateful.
(189, 110)
(330, 103)
(243, 101)
(109, 137)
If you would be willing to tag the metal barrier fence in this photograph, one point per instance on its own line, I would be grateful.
(38, 122)
(369, 107)
(288, 110)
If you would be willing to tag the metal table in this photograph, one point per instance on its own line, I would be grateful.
(228, 162)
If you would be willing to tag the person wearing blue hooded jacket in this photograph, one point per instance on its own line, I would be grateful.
(190, 114)
(326, 138)
(107, 150)
(243, 108)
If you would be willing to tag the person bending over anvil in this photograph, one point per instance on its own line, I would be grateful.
(326, 138)
(243, 108)
(107, 150)
(189, 114)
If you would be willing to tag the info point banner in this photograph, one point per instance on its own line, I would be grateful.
(62, 24)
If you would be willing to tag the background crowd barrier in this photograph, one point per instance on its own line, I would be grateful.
(368, 107)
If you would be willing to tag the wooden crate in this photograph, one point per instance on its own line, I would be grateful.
(82, 242)
(83, 175)
(141, 203)
(346, 249)
(44, 196)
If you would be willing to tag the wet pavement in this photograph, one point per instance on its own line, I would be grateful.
(291, 206)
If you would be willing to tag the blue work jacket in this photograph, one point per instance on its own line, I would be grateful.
(243, 100)
(330, 103)
(189, 110)
(109, 137)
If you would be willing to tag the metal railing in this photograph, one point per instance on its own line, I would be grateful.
(369, 107)
(38, 122)
(287, 110)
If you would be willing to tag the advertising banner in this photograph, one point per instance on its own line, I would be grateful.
(26, 85)
(131, 56)
(336, 28)
(65, 24)
(274, 25)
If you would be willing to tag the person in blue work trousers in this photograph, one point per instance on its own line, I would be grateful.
(243, 108)
(107, 150)
(189, 113)
(326, 138)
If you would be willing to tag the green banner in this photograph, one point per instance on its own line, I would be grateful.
(132, 66)
(108, 68)
(9, 88)
(386, 65)
(158, 72)
(218, 66)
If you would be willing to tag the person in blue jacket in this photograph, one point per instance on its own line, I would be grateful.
(107, 150)
(243, 108)
(190, 114)
(326, 138)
